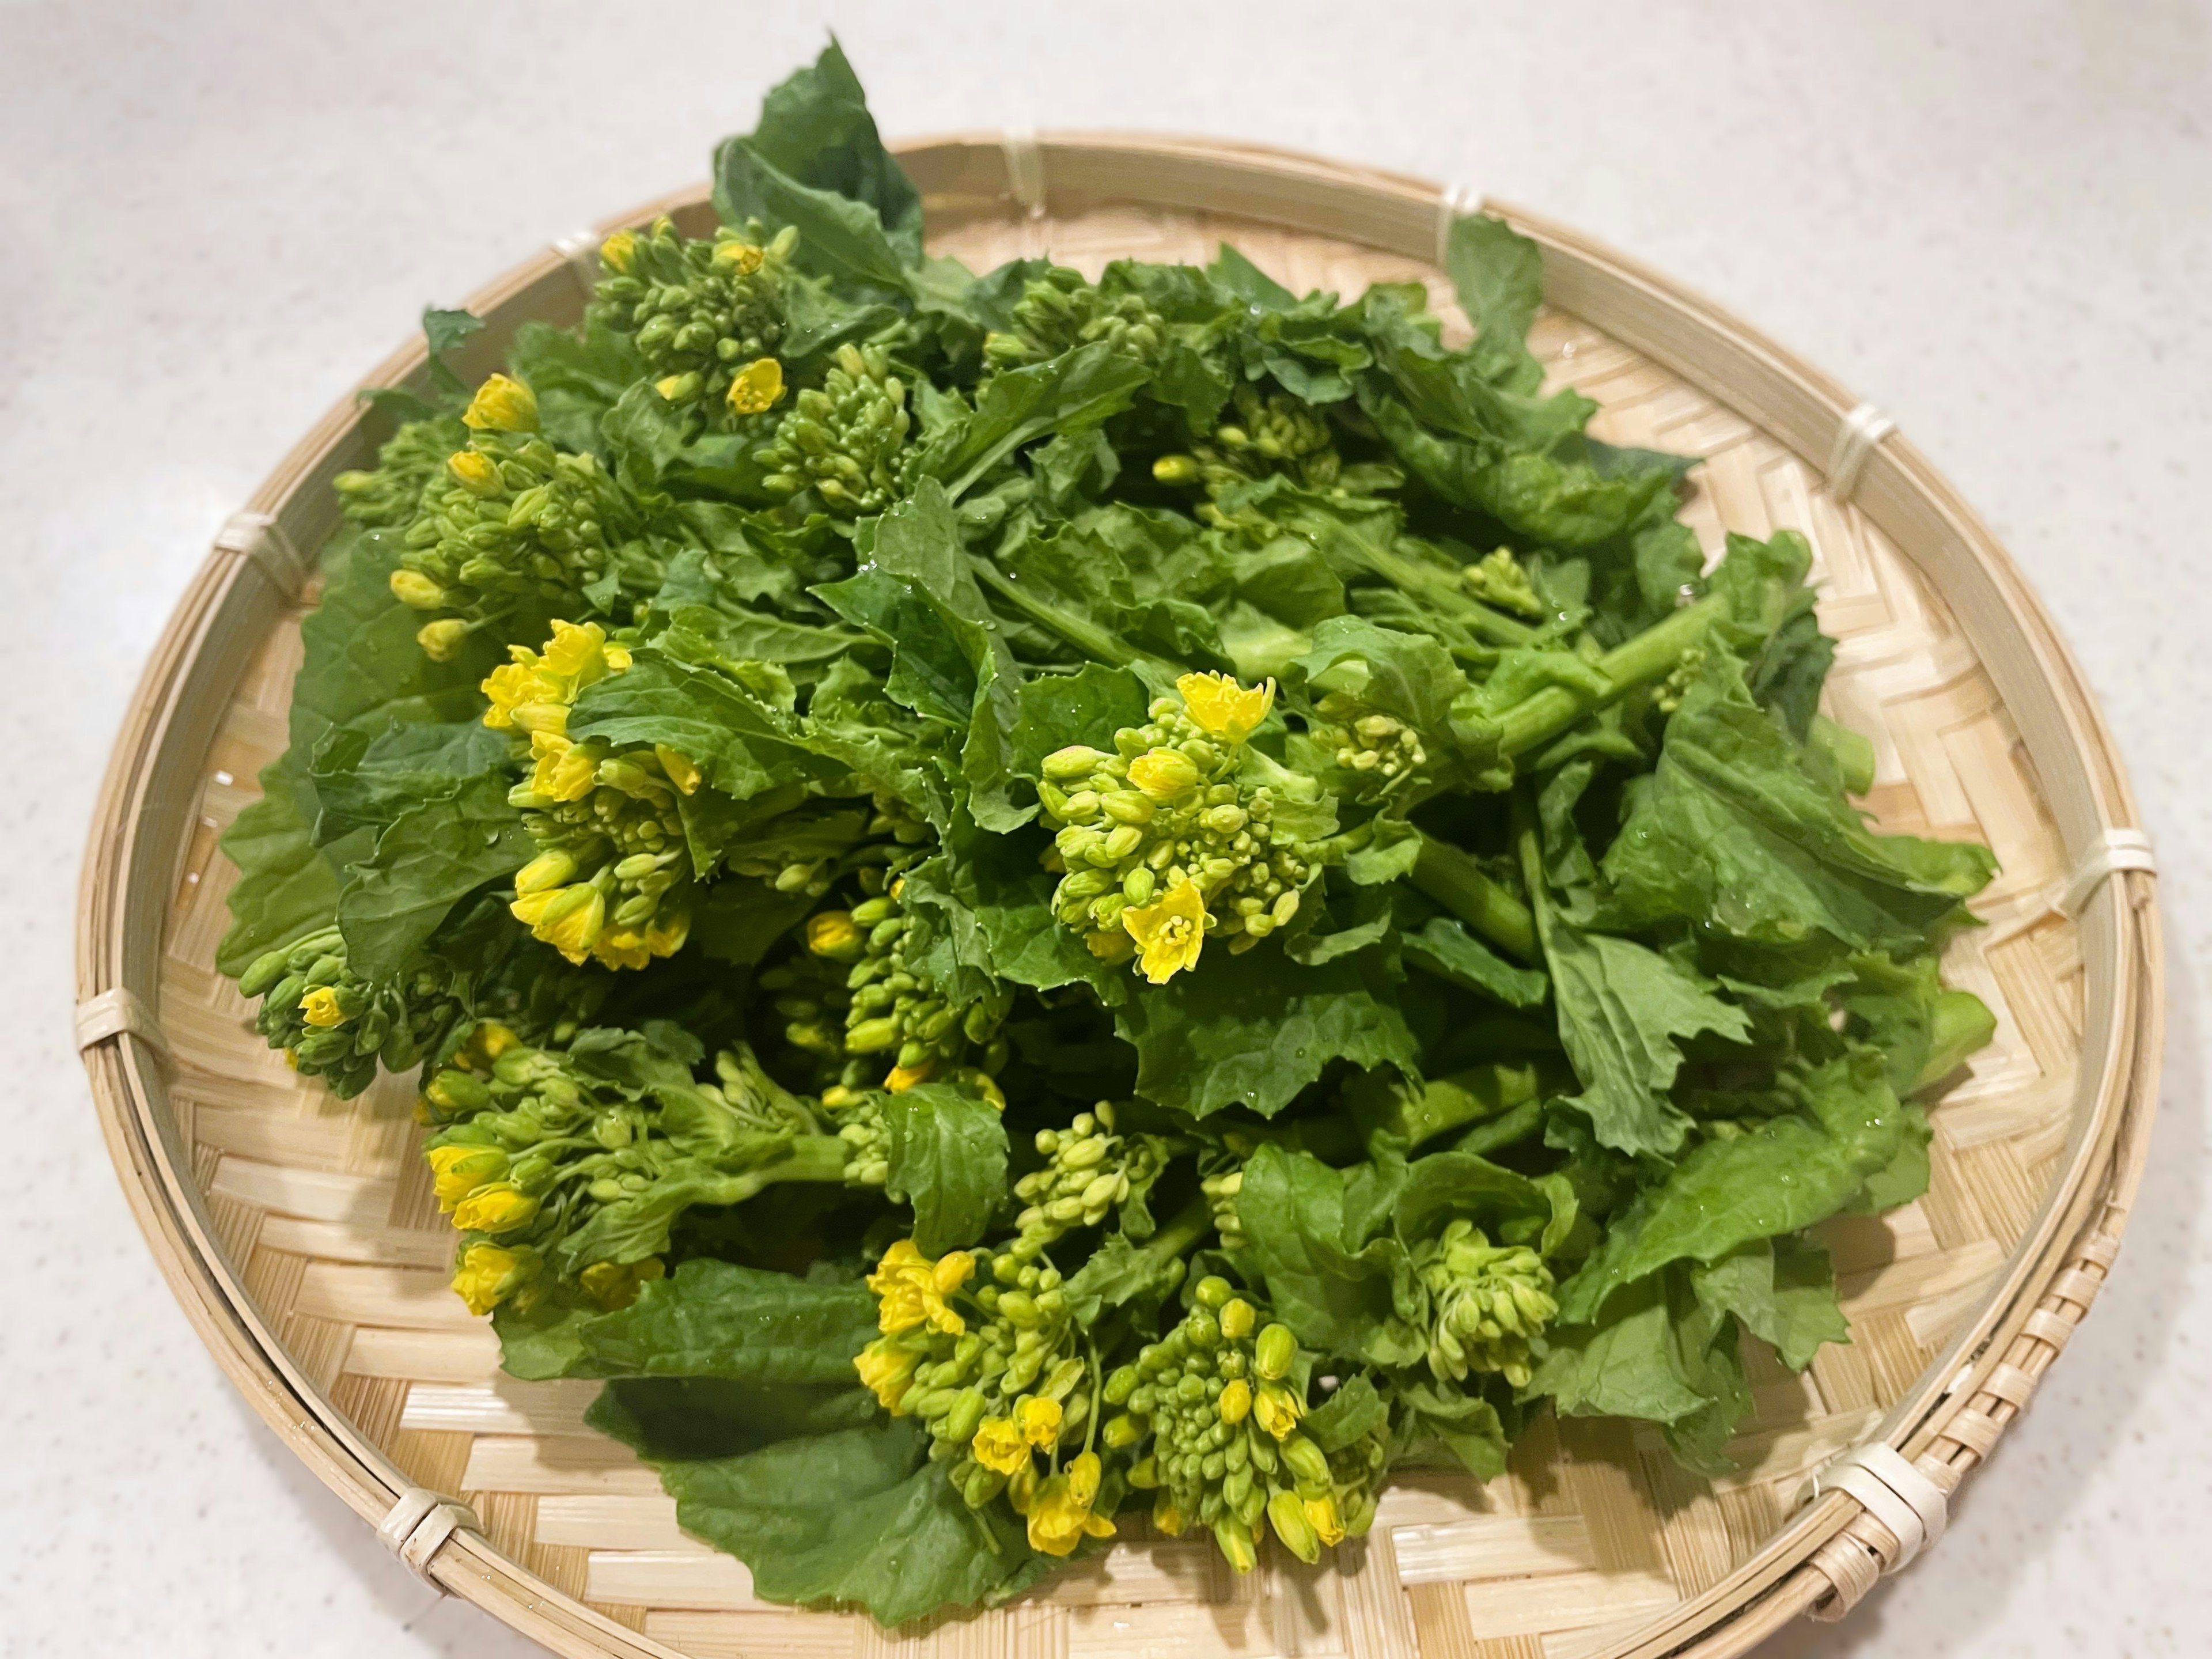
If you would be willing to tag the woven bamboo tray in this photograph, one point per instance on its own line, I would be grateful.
(301, 1235)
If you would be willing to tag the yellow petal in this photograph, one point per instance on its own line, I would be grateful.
(1164, 774)
(502, 405)
(477, 473)
(1169, 934)
(757, 386)
(1222, 707)
(320, 1005)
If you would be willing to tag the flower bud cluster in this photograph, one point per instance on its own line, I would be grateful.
(1487, 1303)
(333, 1025)
(1499, 581)
(893, 1009)
(981, 1349)
(1274, 433)
(1060, 311)
(1212, 1412)
(1089, 1170)
(1667, 697)
(512, 517)
(1162, 841)
(613, 880)
(528, 1149)
(412, 460)
(706, 316)
(845, 444)
(1362, 740)
(1221, 1189)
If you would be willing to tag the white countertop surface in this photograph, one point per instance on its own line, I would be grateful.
(218, 214)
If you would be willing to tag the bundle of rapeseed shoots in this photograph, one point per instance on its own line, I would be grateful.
(1137, 896)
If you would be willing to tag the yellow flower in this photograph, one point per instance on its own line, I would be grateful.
(1164, 774)
(441, 642)
(575, 653)
(531, 693)
(572, 920)
(664, 935)
(486, 1044)
(499, 1209)
(321, 1007)
(911, 1289)
(457, 1172)
(742, 256)
(551, 868)
(488, 1274)
(1328, 1525)
(1235, 1403)
(1169, 934)
(502, 405)
(680, 770)
(621, 947)
(834, 933)
(417, 591)
(1059, 1514)
(1277, 1408)
(619, 250)
(1224, 709)
(757, 387)
(998, 1445)
(475, 472)
(900, 1078)
(1167, 1517)
(1038, 1418)
(614, 1284)
(563, 772)
(886, 1369)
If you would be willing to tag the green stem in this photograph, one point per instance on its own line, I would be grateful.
(1507, 1130)
(1179, 1231)
(1456, 881)
(1529, 844)
(1438, 589)
(813, 1158)
(1652, 655)
(1095, 642)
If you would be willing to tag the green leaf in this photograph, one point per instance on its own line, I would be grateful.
(1355, 1411)
(1498, 275)
(744, 745)
(1783, 1290)
(815, 131)
(717, 1319)
(857, 1516)
(1118, 1273)
(365, 780)
(288, 887)
(1087, 707)
(433, 856)
(577, 376)
(1254, 1030)
(1448, 1186)
(948, 1157)
(1628, 1366)
(1775, 1175)
(1342, 1293)
(1621, 1008)
(1444, 947)
(1071, 392)
(1734, 831)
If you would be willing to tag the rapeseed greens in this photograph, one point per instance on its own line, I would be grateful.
(1027, 898)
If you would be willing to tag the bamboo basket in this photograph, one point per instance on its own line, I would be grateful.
(300, 1233)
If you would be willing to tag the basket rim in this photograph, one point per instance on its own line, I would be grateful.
(967, 175)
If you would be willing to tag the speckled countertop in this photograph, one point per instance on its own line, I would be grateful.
(217, 214)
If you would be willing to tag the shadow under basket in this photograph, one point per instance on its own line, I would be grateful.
(300, 1233)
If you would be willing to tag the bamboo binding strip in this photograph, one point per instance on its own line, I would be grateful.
(299, 1232)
